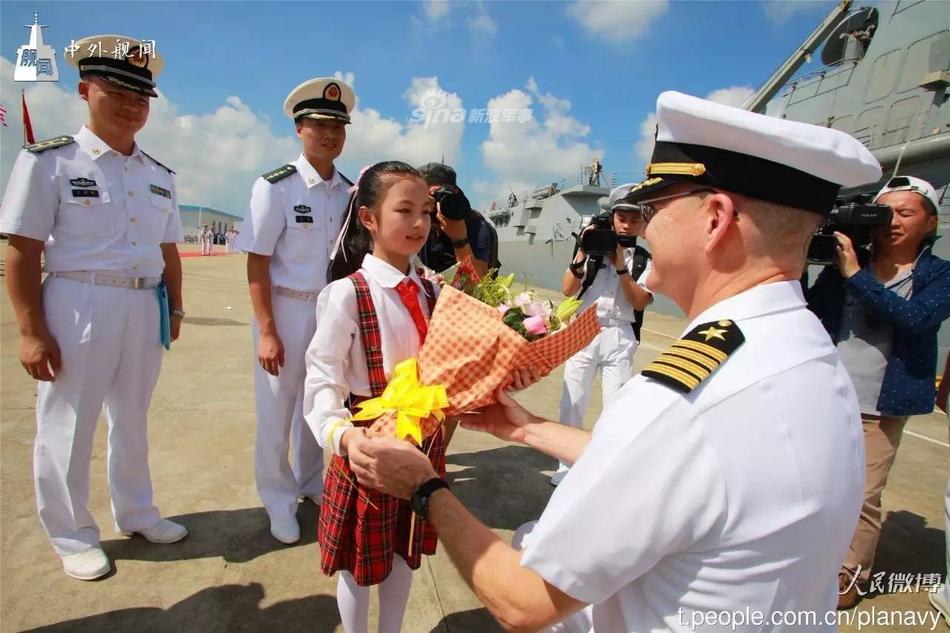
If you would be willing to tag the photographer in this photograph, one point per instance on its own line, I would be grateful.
(459, 232)
(883, 309)
(608, 279)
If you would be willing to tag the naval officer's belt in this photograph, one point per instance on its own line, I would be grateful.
(296, 294)
(115, 281)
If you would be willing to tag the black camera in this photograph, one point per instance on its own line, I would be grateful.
(600, 240)
(857, 218)
(452, 202)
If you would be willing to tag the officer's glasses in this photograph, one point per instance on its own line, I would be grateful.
(648, 210)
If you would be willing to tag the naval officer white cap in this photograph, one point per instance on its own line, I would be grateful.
(787, 162)
(123, 61)
(321, 98)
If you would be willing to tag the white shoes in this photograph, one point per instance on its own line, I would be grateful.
(164, 531)
(88, 565)
(287, 531)
(939, 601)
(559, 474)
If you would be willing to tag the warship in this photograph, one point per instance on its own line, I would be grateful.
(883, 79)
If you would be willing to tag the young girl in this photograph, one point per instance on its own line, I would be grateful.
(367, 323)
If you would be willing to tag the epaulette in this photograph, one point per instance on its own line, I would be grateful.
(346, 180)
(157, 163)
(279, 174)
(694, 357)
(50, 143)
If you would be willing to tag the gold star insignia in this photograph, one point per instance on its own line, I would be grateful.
(711, 333)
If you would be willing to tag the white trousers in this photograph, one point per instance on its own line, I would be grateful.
(280, 422)
(612, 352)
(111, 355)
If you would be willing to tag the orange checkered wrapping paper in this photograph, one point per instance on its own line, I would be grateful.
(470, 351)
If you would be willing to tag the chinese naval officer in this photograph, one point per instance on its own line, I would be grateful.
(295, 214)
(104, 215)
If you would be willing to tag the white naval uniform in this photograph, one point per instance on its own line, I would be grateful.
(336, 360)
(741, 493)
(611, 350)
(104, 212)
(294, 221)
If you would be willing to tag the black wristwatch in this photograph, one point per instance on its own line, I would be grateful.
(577, 269)
(420, 498)
(462, 243)
(623, 271)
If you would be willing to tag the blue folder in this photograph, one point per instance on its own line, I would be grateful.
(164, 320)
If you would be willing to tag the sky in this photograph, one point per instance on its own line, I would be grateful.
(566, 81)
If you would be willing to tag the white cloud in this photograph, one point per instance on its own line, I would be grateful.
(218, 154)
(617, 21)
(779, 12)
(435, 10)
(734, 96)
(549, 146)
(483, 25)
(374, 137)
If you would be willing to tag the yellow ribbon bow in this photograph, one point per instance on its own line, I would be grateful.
(411, 402)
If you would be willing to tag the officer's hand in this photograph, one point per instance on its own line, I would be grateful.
(521, 378)
(175, 323)
(505, 419)
(40, 356)
(270, 353)
(845, 258)
(392, 466)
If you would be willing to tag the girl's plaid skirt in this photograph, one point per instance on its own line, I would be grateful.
(358, 538)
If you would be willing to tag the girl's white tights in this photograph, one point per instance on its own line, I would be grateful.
(353, 600)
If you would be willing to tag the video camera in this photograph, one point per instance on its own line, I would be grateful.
(600, 241)
(857, 218)
(452, 202)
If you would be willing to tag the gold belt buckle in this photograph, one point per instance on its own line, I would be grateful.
(138, 283)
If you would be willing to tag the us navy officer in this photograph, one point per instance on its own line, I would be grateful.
(295, 213)
(727, 477)
(105, 216)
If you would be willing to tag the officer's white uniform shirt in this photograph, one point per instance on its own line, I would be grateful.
(612, 304)
(336, 360)
(295, 222)
(742, 493)
(95, 208)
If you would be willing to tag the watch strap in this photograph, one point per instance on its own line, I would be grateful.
(420, 498)
(462, 243)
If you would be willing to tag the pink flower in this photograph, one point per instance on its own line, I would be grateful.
(536, 325)
(503, 307)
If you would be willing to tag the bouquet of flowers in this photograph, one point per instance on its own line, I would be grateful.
(477, 336)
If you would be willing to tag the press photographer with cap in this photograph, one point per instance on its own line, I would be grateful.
(613, 278)
(288, 234)
(883, 309)
(725, 478)
(104, 215)
(460, 232)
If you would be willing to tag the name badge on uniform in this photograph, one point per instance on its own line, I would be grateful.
(85, 193)
(304, 219)
(302, 208)
(160, 191)
(82, 182)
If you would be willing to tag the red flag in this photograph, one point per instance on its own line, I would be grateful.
(27, 127)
